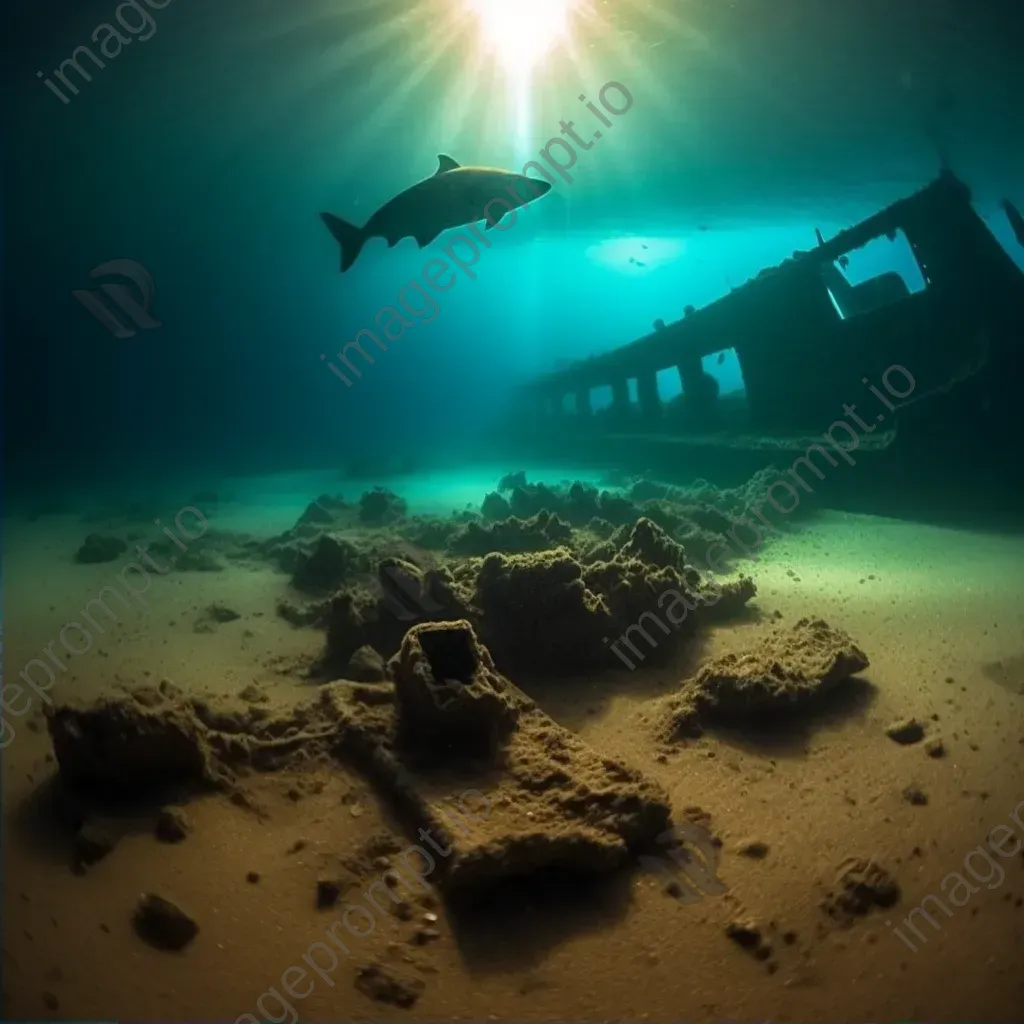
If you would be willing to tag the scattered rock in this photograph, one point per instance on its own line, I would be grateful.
(906, 731)
(748, 936)
(99, 548)
(299, 615)
(219, 612)
(213, 616)
(384, 984)
(252, 877)
(861, 885)
(163, 924)
(172, 825)
(92, 843)
(915, 795)
(366, 666)
(696, 815)
(422, 936)
(753, 848)
(935, 747)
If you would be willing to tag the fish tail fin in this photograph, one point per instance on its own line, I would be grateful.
(1013, 215)
(350, 238)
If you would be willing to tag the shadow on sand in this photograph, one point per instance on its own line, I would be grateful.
(516, 924)
(786, 733)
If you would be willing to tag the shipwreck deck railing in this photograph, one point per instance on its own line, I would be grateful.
(801, 358)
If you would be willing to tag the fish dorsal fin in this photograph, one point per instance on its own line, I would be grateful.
(445, 163)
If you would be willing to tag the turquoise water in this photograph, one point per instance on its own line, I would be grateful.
(206, 147)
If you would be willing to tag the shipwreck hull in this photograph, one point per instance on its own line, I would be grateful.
(909, 373)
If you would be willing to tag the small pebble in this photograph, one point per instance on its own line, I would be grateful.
(172, 825)
(163, 924)
(915, 795)
(753, 848)
(906, 731)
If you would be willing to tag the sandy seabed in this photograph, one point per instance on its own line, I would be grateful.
(939, 613)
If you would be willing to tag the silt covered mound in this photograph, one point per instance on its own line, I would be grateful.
(701, 516)
(334, 541)
(546, 612)
(460, 750)
(788, 669)
(152, 741)
(453, 732)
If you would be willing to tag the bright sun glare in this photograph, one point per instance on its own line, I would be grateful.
(522, 31)
(505, 69)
